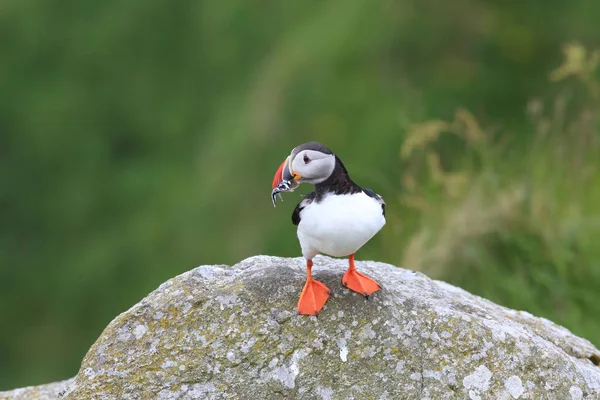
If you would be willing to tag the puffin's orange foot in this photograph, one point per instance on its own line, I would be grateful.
(313, 297)
(359, 283)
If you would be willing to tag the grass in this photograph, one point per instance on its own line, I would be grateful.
(517, 228)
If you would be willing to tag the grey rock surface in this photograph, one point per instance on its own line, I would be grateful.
(220, 332)
(50, 391)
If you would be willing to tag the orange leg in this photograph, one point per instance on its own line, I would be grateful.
(358, 282)
(314, 295)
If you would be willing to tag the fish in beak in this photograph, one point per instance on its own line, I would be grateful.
(285, 180)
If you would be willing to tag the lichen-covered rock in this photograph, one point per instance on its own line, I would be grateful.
(50, 391)
(220, 332)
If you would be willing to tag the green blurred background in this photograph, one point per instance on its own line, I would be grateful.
(139, 138)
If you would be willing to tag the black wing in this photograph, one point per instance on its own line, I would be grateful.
(377, 197)
(305, 201)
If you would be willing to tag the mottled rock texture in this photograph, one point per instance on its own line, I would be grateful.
(220, 332)
(50, 391)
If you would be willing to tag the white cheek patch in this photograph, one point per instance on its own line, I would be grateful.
(317, 170)
(293, 165)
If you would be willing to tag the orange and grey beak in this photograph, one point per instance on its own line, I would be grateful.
(285, 173)
(285, 180)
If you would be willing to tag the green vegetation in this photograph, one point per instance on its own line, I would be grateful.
(139, 139)
(516, 229)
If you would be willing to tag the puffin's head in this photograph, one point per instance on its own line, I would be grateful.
(308, 163)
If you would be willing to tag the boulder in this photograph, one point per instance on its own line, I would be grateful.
(220, 332)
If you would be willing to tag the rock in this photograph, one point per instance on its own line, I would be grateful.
(220, 332)
(50, 391)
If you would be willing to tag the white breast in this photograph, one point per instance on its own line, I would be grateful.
(339, 225)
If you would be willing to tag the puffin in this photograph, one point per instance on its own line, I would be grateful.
(336, 219)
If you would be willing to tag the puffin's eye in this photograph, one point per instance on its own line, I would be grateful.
(306, 159)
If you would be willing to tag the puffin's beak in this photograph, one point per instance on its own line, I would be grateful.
(284, 173)
(285, 180)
